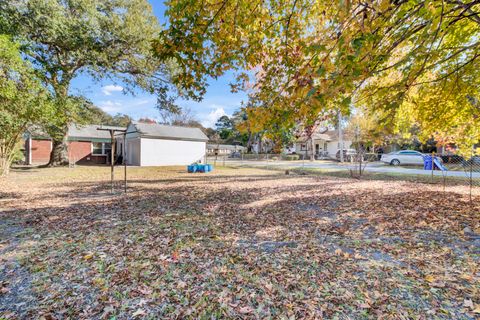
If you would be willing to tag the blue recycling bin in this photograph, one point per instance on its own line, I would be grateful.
(199, 168)
(427, 162)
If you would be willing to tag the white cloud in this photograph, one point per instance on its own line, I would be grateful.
(111, 106)
(143, 102)
(209, 120)
(107, 90)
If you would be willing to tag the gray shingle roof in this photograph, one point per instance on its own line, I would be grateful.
(155, 130)
(330, 135)
(89, 131)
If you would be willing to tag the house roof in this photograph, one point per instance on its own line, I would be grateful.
(330, 135)
(89, 132)
(36, 132)
(155, 130)
(224, 146)
(317, 136)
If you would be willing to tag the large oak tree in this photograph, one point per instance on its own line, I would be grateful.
(102, 38)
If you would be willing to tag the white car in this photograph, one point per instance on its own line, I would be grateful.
(403, 157)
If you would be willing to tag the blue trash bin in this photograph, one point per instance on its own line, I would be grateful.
(201, 168)
(209, 167)
(191, 168)
(427, 162)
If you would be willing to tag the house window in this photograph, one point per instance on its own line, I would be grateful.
(303, 147)
(101, 148)
(97, 148)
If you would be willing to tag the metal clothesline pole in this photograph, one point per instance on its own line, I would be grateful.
(112, 131)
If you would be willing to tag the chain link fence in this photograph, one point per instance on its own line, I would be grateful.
(444, 170)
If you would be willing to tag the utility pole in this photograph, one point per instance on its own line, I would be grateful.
(340, 135)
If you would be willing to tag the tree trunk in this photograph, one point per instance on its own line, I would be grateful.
(59, 154)
(58, 133)
(4, 166)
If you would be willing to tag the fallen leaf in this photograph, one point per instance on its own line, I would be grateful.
(88, 256)
(245, 310)
(139, 312)
(430, 278)
(468, 303)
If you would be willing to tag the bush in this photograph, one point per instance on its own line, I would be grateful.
(291, 157)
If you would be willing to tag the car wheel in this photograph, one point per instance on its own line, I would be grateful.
(395, 162)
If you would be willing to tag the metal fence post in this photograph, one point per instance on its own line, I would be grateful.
(433, 164)
(471, 174)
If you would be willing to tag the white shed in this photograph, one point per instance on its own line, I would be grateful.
(152, 144)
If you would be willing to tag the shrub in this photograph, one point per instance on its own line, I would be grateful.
(291, 157)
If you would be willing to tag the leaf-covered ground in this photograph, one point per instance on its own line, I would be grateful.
(235, 243)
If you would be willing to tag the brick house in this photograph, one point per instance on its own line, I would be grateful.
(85, 144)
(37, 150)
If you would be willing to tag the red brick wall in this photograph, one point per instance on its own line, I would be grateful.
(81, 152)
(41, 151)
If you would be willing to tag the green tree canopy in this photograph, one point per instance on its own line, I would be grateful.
(23, 100)
(224, 127)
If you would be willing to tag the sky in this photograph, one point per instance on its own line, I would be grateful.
(109, 96)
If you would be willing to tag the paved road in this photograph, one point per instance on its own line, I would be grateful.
(378, 167)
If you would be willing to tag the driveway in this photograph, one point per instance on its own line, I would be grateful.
(377, 167)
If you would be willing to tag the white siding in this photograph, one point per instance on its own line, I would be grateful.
(334, 146)
(133, 151)
(162, 152)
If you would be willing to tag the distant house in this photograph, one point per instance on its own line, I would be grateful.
(325, 145)
(37, 147)
(223, 149)
(85, 144)
(151, 144)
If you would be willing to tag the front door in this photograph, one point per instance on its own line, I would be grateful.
(317, 148)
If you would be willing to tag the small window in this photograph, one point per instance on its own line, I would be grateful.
(303, 147)
(97, 148)
(101, 148)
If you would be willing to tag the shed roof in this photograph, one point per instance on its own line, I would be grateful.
(155, 130)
